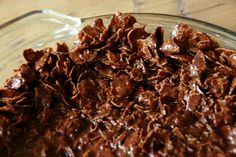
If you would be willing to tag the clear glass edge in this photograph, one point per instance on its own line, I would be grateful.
(35, 12)
(229, 33)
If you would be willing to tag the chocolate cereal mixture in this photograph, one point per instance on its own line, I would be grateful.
(122, 92)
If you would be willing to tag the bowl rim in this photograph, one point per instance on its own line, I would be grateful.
(48, 11)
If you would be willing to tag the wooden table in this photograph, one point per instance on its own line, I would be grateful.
(220, 12)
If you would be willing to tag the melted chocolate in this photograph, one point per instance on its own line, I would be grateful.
(122, 92)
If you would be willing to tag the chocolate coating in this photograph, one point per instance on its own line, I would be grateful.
(122, 92)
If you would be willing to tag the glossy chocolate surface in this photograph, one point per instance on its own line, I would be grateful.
(122, 92)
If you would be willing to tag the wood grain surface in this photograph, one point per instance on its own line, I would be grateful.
(220, 12)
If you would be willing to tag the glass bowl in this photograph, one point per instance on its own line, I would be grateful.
(44, 28)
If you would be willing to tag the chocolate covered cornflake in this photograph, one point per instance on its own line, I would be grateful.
(122, 91)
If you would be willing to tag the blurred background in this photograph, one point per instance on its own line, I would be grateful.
(220, 12)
